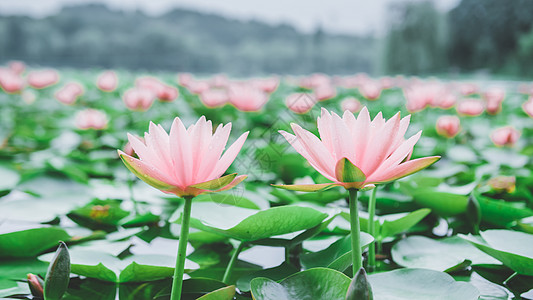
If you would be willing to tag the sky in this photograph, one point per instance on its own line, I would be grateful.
(335, 16)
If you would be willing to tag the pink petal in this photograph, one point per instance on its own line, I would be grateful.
(229, 156)
(406, 168)
(217, 144)
(344, 145)
(180, 147)
(200, 139)
(146, 172)
(397, 156)
(380, 144)
(295, 143)
(360, 134)
(325, 129)
(316, 150)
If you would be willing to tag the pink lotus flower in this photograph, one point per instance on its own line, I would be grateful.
(214, 98)
(370, 89)
(386, 82)
(219, 81)
(162, 91)
(325, 92)
(107, 81)
(197, 86)
(351, 104)
(17, 67)
(470, 107)
(91, 119)
(505, 136)
(139, 99)
(267, 85)
(314, 80)
(184, 79)
(69, 93)
(357, 153)
(247, 98)
(467, 89)
(528, 107)
(10, 82)
(186, 162)
(42, 79)
(300, 103)
(448, 126)
(434, 94)
(494, 97)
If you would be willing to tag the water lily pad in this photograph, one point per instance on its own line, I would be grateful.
(440, 255)
(31, 242)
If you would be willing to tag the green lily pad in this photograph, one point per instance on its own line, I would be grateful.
(442, 203)
(104, 266)
(8, 179)
(250, 225)
(514, 249)
(440, 255)
(318, 283)
(420, 284)
(225, 293)
(31, 242)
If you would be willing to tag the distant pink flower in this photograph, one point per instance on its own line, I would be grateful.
(448, 126)
(214, 97)
(17, 67)
(43, 78)
(247, 98)
(300, 103)
(219, 81)
(186, 162)
(470, 107)
(69, 93)
(185, 79)
(107, 81)
(467, 89)
(139, 99)
(351, 104)
(494, 97)
(370, 89)
(162, 91)
(386, 82)
(267, 85)
(11, 82)
(373, 151)
(198, 86)
(505, 136)
(528, 107)
(314, 80)
(325, 92)
(423, 94)
(91, 119)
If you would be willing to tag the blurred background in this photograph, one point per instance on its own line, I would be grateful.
(245, 38)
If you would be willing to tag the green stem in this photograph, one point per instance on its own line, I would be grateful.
(372, 230)
(356, 232)
(231, 264)
(182, 250)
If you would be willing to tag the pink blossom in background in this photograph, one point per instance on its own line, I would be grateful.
(376, 147)
(219, 81)
(43, 78)
(494, 97)
(91, 119)
(17, 67)
(351, 104)
(325, 92)
(300, 103)
(10, 81)
(505, 136)
(267, 85)
(198, 86)
(185, 79)
(420, 95)
(214, 97)
(528, 107)
(386, 82)
(370, 89)
(139, 99)
(186, 161)
(448, 126)
(467, 89)
(107, 81)
(314, 80)
(246, 97)
(162, 91)
(470, 107)
(69, 93)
